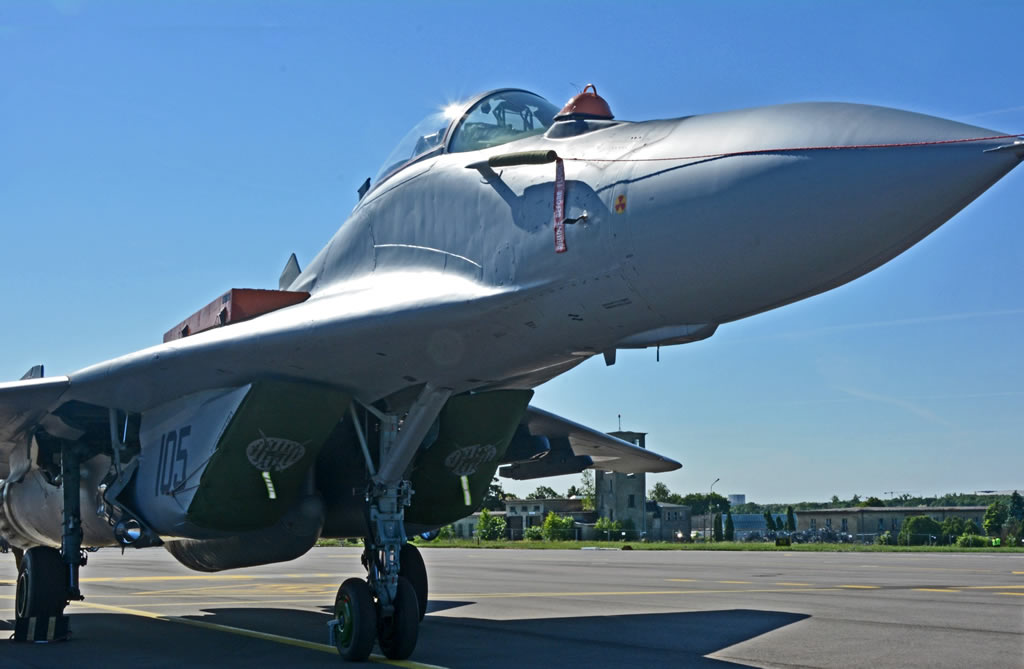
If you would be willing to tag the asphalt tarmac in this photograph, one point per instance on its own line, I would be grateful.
(583, 608)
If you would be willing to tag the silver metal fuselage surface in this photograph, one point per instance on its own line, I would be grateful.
(449, 274)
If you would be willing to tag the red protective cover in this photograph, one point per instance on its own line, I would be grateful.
(236, 305)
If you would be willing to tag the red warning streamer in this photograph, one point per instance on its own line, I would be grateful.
(560, 246)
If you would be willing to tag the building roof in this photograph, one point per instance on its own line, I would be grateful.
(898, 509)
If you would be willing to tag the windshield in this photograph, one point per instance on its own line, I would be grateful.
(425, 136)
(502, 117)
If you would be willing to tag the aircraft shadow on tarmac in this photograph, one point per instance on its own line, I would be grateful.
(587, 640)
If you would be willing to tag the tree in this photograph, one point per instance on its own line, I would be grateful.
(490, 527)
(608, 529)
(572, 492)
(790, 519)
(995, 516)
(971, 527)
(558, 528)
(918, 530)
(717, 530)
(700, 503)
(495, 497)
(769, 522)
(543, 492)
(780, 524)
(951, 528)
(730, 528)
(1017, 506)
(587, 488)
(659, 493)
(872, 501)
(836, 502)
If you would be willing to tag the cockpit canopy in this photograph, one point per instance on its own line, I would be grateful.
(494, 118)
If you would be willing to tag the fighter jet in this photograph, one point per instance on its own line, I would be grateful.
(377, 391)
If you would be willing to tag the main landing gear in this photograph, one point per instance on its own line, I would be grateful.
(47, 577)
(389, 605)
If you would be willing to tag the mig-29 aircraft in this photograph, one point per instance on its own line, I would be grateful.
(377, 392)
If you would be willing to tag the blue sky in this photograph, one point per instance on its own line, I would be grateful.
(155, 154)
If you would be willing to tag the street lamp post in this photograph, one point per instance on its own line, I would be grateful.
(711, 491)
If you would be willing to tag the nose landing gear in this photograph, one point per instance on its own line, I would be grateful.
(391, 602)
(385, 607)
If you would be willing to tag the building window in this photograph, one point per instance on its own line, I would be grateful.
(814, 523)
(894, 524)
(846, 527)
(881, 525)
(536, 508)
(828, 523)
(632, 501)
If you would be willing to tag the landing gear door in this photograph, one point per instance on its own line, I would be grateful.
(178, 440)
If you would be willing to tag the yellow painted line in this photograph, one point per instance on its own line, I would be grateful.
(516, 595)
(737, 582)
(1017, 572)
(935, 590)
(193, 577)
(910, 567)
(992, 587)
(254, 589)
(311, 603)
(860, 587)
(253, 634)
(804, 584)
(682, 580)
(1018, 594)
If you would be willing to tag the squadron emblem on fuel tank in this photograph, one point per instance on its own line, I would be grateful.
(274, 453)
(466, 460)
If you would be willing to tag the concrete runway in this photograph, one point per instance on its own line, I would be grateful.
(511, 608)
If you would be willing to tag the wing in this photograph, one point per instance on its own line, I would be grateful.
(607, 452)
(23, 405)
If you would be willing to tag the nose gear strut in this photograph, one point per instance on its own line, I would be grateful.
(387, 590)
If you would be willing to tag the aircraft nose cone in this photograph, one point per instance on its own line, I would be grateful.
(787, 202)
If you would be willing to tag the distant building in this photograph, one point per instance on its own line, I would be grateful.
(668, 522)
(523, 513)
(744, 524)
(466, 527)
(620, 496)
(736, 499)
(878, 519)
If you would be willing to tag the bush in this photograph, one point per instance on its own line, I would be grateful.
(558, 528)
(490, 527)
(972, 541)
(533, 533)
(918, 531)
(447, 532)
(608, 529)
(885, 539)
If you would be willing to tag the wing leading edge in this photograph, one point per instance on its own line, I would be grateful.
(608, 453)
(23, 404)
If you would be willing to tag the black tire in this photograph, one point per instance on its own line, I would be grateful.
(398, 632)
(413, 568)
(357, 620)
(42, 584)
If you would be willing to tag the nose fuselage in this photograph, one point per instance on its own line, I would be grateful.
(780, 203)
